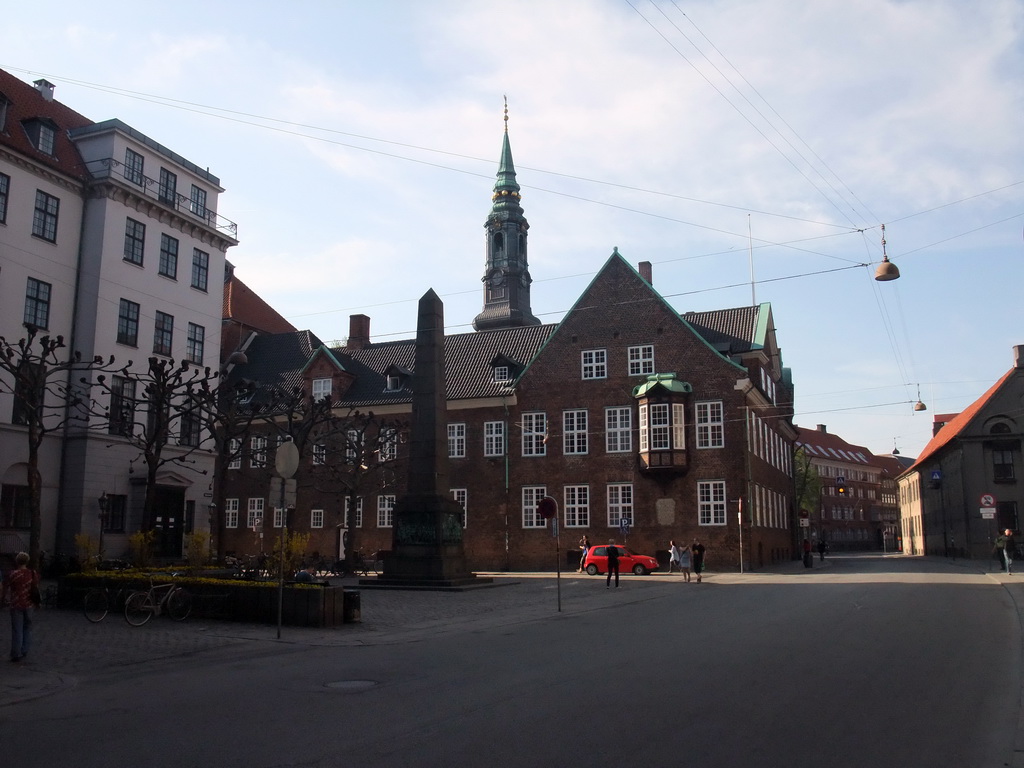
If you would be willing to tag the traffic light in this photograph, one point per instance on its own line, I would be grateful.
(841, 490)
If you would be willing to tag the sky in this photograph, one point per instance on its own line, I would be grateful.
(751, 150)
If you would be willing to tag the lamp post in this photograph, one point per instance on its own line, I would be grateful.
(104, 504)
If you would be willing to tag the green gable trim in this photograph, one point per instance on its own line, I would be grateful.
(764, 310)
(324, 351)
(666, 381)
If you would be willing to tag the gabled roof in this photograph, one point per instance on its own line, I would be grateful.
(25, 103)
(953, 428)
(829, 447)
(733, 331)
(279, 359)
(243, 306)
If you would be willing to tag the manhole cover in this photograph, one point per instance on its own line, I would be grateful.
(351, 685)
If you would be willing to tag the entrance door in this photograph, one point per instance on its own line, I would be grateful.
(168, 521)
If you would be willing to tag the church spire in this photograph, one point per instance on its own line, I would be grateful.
(506, 274)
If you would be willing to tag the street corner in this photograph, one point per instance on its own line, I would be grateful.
(20, 682)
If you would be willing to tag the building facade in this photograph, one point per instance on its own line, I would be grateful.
(644, 424)
(963, 490)
(112, 241)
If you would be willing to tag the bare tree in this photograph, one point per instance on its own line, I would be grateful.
(155, 409)
(38, 374)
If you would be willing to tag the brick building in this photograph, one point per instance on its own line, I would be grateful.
(626, 412)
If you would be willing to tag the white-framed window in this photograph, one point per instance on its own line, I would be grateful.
(641, 360)
(353, 445)
(195, 343)
(577, 506)
(388, 444)
(501, 374)
(394, 383)
(230, 513)
(535, 434)
(711, 502)
(461, 495)
(257, 451)
(594, 364)
(235, 452)
(321, 388)
(618, 429)
(710, 424)
(456, 441)
(532, 494)
(44, 220)
(662, 426)
(678, 426)
(620, 504)
(319, 454)
(494, 438)
(574, 432)
(316, 518)
(359, 511)
(255, 513)
(279, 515)
(197, 204)
(385, 511)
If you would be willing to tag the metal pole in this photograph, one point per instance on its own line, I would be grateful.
(280, 564)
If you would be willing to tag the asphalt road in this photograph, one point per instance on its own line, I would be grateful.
(867, 662)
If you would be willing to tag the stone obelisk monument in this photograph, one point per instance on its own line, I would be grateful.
(427, 545)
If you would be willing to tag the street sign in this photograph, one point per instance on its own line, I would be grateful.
(624, 526)
(286, 460)
(840, 480)
(936, 474)
(988, 500)
(547, 507)
(805, 522)
(987, 513)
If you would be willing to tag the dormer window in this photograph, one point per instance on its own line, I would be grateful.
(394, 383)
(504, 369)
(42, 134)
(321, 389)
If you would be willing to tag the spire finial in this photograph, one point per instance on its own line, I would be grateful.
(506, 113)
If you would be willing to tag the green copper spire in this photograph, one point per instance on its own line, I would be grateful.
(506, 273)
(506, 190)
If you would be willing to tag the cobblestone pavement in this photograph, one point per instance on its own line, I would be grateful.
(66, 646)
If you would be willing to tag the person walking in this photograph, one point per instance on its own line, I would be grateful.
(673, 556)
(697, 553)
(822, 549)
(17, 590)
(684, 562)
(1008, 547)
(613, 565)
(584, 549)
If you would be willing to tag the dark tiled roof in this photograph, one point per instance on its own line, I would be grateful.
(26, 103)
(276, 360)
(730, 331)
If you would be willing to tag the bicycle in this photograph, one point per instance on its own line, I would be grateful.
(141, 606)
(364, 564)
(98, 600)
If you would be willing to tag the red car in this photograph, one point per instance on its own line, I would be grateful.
(597, 561)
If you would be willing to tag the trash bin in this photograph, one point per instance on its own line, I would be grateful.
(350, 606)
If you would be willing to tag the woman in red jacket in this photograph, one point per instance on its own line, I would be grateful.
(17, 589)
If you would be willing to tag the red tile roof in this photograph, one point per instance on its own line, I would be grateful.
(957, 424)
(243, 306)
(825, 445)
(25, 103)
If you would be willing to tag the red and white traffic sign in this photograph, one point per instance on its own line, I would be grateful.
(988, 500)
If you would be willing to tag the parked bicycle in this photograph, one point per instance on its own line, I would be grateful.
(141, 606)
(99, 600)
(364, 564)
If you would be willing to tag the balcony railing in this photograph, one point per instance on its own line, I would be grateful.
(109, 167)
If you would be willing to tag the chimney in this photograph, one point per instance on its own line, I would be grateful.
(822, 428)
(358, 331)
(45, 88)
(1018, 356)
(646, 273)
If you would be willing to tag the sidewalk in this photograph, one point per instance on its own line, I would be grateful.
(67, 647)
